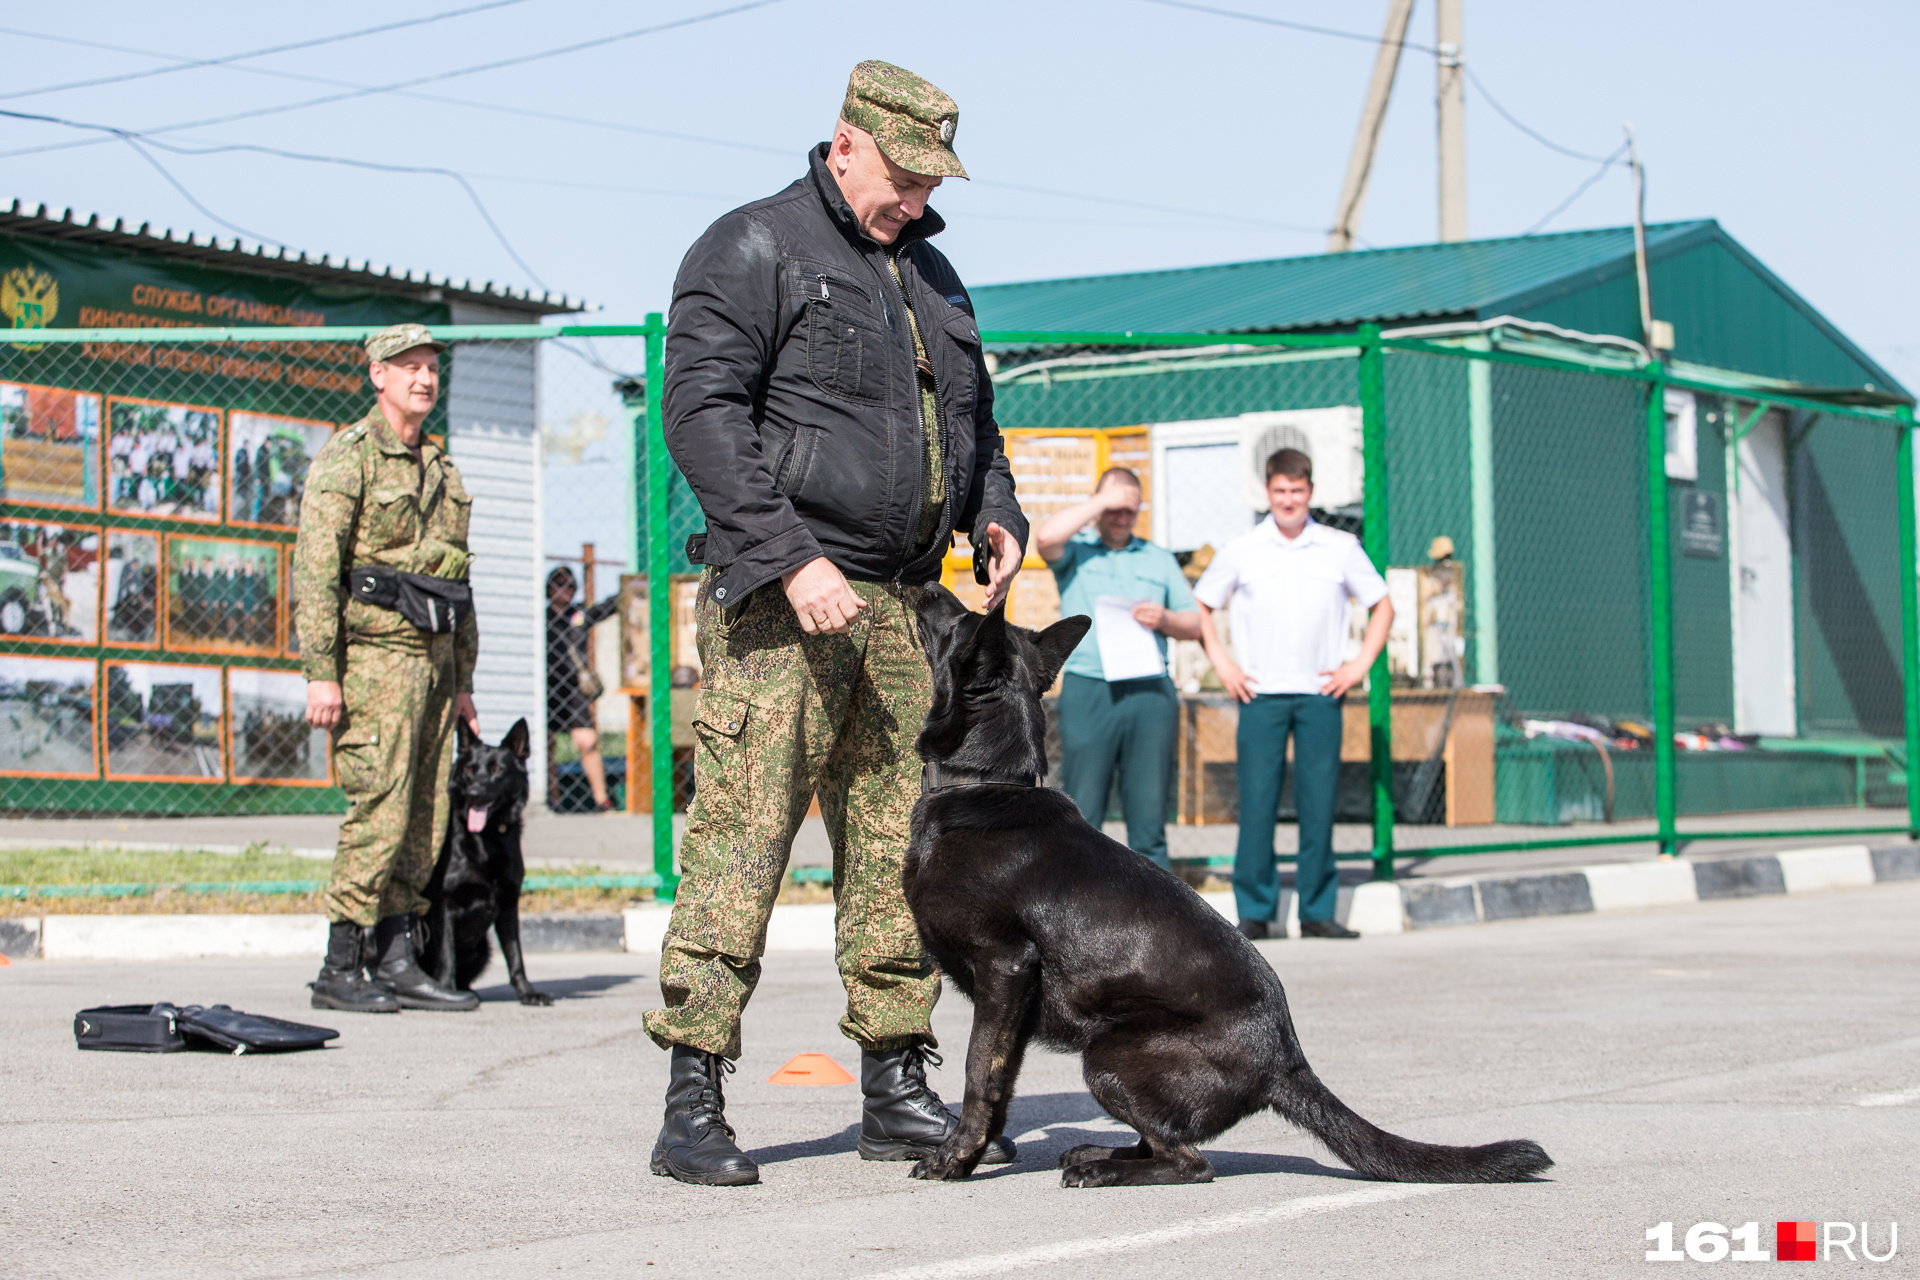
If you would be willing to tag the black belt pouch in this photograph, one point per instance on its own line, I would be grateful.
(438, 605)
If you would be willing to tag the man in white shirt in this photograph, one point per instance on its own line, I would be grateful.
(1289, 580)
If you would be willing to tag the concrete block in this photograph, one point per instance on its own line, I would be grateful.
(1630, 886)
(1561, 894)
(1376, 909)
(1896, 862)
(1432, 904)
(572, 933)
(1738, 877)
(801, 926)
(20, 937)
(645, 928)
(1840, 866)
(1223, 903)
(181, 937)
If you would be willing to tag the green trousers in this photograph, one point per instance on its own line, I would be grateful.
(783, 717)
(392, 752)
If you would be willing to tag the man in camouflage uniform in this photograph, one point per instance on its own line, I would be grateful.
(827, 399)
(379, 493)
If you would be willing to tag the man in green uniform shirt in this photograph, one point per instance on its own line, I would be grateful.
(380, 493)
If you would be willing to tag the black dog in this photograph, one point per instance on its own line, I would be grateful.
(476, 883)
(1056, 932)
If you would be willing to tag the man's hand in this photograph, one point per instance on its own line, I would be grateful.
(1233, 678)
(1149, 614)
(1006, 554)
(821, 598)
(1344, 677)
(463, 708)
(325, 706)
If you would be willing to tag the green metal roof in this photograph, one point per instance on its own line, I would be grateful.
(1728, 309)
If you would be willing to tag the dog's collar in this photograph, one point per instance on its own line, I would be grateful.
(939, 777)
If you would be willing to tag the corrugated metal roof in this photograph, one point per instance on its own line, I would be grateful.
(1323, 291)
(284, 264)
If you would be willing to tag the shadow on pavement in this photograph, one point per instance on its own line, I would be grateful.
(832, 1145)
(559, 988)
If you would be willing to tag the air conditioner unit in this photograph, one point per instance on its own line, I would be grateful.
(1209, 474)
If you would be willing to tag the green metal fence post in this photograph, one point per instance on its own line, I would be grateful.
(659, 612)
(1373, 438)
(1909, 618)
(1660, 589)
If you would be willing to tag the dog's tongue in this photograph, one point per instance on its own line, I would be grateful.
(477, 819)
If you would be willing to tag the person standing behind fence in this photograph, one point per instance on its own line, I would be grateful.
(572, 684)
(1289, 580)
(827, 398)
(381, 496)
(1129, 725)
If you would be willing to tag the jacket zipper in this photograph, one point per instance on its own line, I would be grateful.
(940, 423)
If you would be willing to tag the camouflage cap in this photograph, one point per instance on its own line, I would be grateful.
(395, 338)
(912, 121)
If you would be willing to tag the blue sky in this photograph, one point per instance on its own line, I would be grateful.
(1172, 137)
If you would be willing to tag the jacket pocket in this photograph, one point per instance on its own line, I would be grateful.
(962, 385)
(846, 352)
(391, 518)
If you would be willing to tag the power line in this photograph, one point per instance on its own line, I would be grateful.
(1578, 191)
(1511, 119)
(496, 65)
(188, 64)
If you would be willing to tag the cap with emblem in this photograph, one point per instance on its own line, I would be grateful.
(912, 121)
(395, 338)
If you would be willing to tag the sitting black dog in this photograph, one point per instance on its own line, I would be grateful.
(476, 883)
(1056, 932)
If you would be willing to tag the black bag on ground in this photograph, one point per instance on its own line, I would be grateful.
(432, 604)
(165, 1028)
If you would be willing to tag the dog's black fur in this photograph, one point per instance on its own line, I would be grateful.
(1057, 933)
(476, 883)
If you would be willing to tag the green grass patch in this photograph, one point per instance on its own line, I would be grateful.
(56, 866)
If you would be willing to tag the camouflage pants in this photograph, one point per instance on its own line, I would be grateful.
(784, 716)
(392, 752)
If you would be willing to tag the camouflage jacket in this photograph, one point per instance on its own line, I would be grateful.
(367, 503)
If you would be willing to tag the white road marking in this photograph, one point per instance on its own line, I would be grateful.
(1100, 1124)
(1095, 1246)
(1900, 1099)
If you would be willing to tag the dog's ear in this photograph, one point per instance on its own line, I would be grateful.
(984, 653)
(939, 609)
(519, 739)
(1057, 643)
(464, 736)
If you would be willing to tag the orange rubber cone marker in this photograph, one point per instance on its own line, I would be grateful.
(811, 1068)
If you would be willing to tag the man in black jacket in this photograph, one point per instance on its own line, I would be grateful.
(827, 399)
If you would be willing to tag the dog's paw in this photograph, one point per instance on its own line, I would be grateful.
(1082, 1154)
(535, 998)
(934, 1169)
(1091, 1173)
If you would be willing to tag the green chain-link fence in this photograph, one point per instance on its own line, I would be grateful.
(1634, 603)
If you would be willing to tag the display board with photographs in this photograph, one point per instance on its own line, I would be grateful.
(223, 595)
(47, 717)
(49, 581)
(163, 722)
(131, 598)
(291, 645)
(268, 737)
(49, 446)
(267, 461)
(163, 460)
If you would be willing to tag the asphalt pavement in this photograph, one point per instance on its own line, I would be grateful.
(1741, 1061)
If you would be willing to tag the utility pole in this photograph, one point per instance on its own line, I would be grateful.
(1354, 194)
(1453, 123)
(1655, 335)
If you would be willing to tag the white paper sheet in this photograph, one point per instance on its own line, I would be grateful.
(1127, 649)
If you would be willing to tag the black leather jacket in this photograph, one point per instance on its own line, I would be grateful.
(791, 403)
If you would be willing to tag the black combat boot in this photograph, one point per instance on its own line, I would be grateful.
(342, 983)
(400, 972)
(696, 1142)
(903, 1118)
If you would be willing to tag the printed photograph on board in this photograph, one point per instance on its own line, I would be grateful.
(49, 581)
(163, 722)
(163, 460)
(223, 595)
(267, 460)
(49, 446)
(287, 610)
(133, 587)
(268, 737)
(46, 717)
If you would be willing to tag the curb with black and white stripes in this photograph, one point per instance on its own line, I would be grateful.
(1372, 909)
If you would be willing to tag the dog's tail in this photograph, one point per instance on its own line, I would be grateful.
(1372, 1152)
